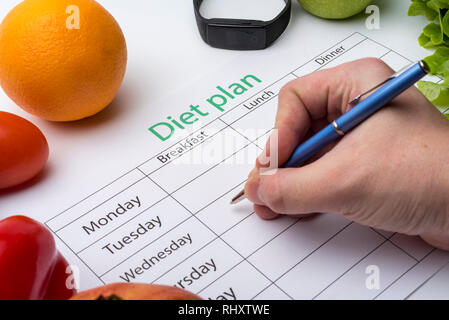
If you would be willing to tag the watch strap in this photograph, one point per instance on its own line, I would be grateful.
(200, 20)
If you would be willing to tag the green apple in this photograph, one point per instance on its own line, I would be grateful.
(334, 9)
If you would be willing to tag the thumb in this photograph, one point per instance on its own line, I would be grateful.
(316, 187)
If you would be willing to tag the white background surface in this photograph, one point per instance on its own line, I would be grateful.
(166, 54)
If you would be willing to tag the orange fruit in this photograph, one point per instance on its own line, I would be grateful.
(61, 60)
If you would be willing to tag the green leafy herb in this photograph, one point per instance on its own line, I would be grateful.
(435, 35)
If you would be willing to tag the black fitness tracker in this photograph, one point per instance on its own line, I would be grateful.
(241, 34)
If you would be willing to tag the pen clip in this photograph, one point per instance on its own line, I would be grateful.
(357, 99)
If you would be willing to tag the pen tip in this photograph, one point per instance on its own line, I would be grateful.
(239, 197)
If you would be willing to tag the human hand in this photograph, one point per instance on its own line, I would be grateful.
(391, 172)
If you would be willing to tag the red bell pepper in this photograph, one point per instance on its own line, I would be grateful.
(31, 268)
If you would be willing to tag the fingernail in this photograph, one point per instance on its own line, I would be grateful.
(252, 187)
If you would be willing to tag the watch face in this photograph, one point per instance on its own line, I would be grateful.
(236, 37)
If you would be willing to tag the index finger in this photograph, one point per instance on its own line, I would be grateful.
(310, 102)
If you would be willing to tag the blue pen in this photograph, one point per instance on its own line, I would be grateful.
(386, 92)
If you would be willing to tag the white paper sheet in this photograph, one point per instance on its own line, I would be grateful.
(170, 219)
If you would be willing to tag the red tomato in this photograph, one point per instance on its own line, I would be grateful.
(23, 150)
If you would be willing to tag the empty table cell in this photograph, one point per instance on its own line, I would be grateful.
(203, 268)
(221, 216)
(240, 283)
(100, 221)
(218, 181)
(262, 140)
(432, 78)
(329, 55)
(413, 245)
(157, 258)
(272, 293)
(370, 276)
(196, 162)
(386, 234)
(136, 234)
(253, 233)
(365, 49)
(312, 275)
(296, 243)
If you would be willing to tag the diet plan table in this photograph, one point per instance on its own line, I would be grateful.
(169, 221)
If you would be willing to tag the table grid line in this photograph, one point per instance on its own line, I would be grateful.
(394, 244)
(121, 225)
(81, 201)
(225, 273)
(379, 233)
(184, 260)
(322, 66)
(192, 253)
(226, 112)
(219, 117)
(201, 248)
(402, 56)
(148, 244)
(403, 250)
(331, 47)
(141, 179)
(426, 281)
(386, 239)
(262, 291)
(351, 268)
(208, 204)
(253, 109)
(277, 235)
(88, 267)
(247, 139)
(301, 260)
(73, 221)
(194, 147)
(262, 246)
(402, 275)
